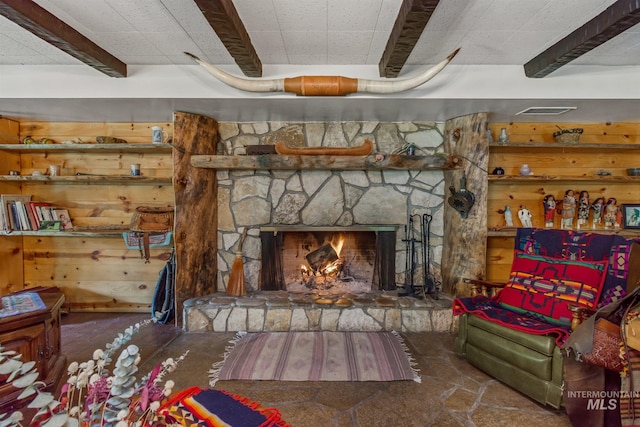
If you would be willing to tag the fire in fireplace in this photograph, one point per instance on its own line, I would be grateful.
(329, 259)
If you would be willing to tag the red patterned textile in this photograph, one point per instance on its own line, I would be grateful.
(544, 287)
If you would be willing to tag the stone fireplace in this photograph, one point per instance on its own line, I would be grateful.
(260, 193)
(219, 189)
(318, 200)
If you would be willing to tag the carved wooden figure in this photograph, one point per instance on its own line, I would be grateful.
(525, 217)
(610, 212)
(549, 203)
(597, 206)
(568, 209)
(583, 208)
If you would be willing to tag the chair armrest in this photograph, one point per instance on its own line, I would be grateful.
(481, 286)
(578, 315)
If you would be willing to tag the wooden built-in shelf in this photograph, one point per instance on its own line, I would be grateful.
(70, 233)
(313, 162)
(89, 179)
(511, 231)
(558, 146)
(103, 148)
(531, 178)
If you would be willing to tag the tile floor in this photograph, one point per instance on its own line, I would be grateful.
(452, 392)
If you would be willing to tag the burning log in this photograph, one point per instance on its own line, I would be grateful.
(322, 257)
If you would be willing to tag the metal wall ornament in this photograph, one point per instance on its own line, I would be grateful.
(461, 200)
(323, 85)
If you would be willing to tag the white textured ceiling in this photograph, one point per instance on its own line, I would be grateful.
(319, 32)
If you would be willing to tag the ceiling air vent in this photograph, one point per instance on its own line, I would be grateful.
(545, 111)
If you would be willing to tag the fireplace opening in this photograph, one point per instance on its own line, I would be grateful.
(328, 259)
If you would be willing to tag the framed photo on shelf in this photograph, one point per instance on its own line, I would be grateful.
(62, 215)
(631, 216)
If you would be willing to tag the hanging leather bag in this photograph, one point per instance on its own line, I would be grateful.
(606, 346)
(150, 219)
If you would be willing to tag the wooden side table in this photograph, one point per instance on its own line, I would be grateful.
(35, 335)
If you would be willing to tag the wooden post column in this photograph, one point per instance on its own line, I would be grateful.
(196, 215)
(465, 239)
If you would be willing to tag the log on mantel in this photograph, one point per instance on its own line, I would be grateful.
(293, 162)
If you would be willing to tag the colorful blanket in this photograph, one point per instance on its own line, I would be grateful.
(316, 356)
(490, 310)
(563, 244)
(218, 408)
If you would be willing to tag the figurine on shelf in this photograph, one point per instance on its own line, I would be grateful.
(568, 209)
(610, 211)
(583, 209)
(549, 204)
(597, 206)
(525, 216)
(508, 216)
(619, 217)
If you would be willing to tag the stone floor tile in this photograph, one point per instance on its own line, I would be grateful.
(342, 396)
(485, 416)
(461, 400)
(307, 414)
(449, 419)
(497, 394)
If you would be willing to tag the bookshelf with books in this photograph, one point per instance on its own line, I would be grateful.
(20, 213)
(66, 230)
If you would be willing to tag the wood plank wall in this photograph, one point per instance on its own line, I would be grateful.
(555, 162)
(95, 273)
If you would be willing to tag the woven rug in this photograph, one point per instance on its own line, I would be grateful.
(316, 356)
(195, 407)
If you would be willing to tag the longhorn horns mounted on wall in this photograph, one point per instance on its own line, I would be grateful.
(324, 85)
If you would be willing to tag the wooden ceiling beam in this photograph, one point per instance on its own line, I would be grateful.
(410, 23)
(39, 22)
(617, 18)
(225, 21)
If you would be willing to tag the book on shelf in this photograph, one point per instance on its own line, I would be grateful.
(21, 208)
(9, 212)
(37, 208)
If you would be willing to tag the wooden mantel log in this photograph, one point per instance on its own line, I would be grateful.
(304, 162)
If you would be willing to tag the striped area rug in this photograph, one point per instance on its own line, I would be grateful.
(316, 356)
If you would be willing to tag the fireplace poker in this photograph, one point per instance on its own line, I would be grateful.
(430, 285)
(410, 258)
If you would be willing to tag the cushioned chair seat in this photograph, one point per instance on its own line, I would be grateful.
(544, 344)
(507, 355)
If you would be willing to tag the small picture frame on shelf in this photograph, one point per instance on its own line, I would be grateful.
(631, 216)
(62, 215)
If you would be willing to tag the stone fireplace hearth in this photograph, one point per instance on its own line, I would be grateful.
(280, 311)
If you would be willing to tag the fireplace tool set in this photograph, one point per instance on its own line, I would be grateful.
(417, 242)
